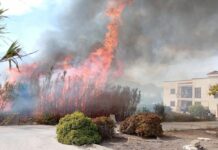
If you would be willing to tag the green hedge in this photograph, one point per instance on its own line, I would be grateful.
(77, 129)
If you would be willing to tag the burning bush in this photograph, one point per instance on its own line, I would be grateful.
(64, 85)
(144, 124)
(117, 100)
(26, 99)
(14, 118)
(77, 129)
(47, 118)
(7, 94)
(105, 126)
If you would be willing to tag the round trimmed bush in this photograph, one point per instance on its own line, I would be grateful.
(144, 125)
(77, 129)
(105, 126)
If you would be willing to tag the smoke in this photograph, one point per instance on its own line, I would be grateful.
(164, 31)
(79, 28)
(157, 38)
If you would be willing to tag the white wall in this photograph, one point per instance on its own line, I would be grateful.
(205, 100)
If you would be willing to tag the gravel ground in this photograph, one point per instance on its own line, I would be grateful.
(173, 140)
(37, 137)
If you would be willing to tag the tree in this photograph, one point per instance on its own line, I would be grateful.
(14, 49)
(11, 54)
(213, 90)
(2, 28)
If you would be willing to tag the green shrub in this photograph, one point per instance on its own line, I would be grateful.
(213, 90)
(145, 110)
(179, 117)
(77, 129)
(144, 125)
(105, 126)
(159, 109)
(200, 112)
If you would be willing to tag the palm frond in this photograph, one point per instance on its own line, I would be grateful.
(12, 51)
(2, 16)
(2, 11)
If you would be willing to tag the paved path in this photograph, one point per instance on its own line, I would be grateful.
(35, 137)
(170, 126)
(39, 137)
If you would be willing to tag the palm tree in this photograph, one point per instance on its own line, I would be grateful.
(14, 49)
(11, 54)
(2, 28)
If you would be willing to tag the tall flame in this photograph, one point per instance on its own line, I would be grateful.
(93, 71)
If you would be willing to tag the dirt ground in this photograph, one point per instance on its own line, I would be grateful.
(172, 140)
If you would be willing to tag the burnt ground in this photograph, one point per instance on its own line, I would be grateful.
(172, 140)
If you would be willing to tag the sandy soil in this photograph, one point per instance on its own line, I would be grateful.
(37, 137)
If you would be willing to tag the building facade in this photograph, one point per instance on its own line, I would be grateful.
(180, 95)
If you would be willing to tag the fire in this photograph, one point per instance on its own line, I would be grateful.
(75, 82)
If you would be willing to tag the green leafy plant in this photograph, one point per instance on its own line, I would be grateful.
(180, 117)
(77, 129)
(105, 126)
(144, 125)
(145, 110)
(200, 112)
(12, 52)
(159, 109)
(213, 90)
(2, 27)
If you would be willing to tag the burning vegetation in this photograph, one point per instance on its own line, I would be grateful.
(66, 88)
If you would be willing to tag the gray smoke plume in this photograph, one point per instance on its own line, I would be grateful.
(154, 35)
(161, 31)
(80, 27)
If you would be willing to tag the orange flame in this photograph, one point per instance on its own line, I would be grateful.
(93, 70)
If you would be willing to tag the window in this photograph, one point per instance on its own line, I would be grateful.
(197, 92)
(172, 103)
(186, 92)
(172, 91)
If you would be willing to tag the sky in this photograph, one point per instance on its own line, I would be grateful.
(26, 21)
(159, 40)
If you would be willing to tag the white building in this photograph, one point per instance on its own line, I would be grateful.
(179, 95)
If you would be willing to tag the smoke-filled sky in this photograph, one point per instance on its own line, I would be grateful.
(159, 39)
